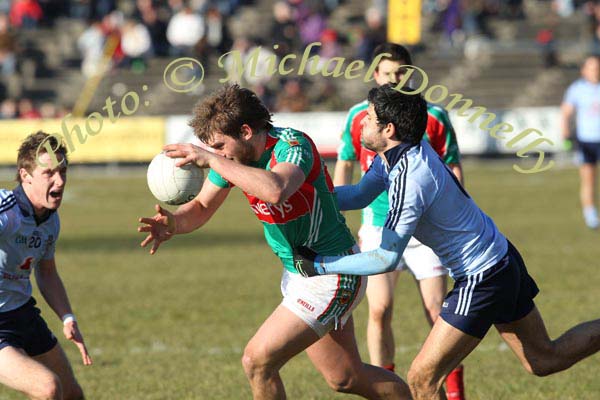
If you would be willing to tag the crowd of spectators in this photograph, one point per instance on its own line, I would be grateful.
(135, 31)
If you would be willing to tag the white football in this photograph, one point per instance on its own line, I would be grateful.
(173, 185)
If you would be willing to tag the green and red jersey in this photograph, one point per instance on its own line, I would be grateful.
(439, 133)
(309, 217)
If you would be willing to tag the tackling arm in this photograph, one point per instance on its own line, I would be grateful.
(378, 261)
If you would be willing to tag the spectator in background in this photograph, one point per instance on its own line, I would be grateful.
(593, 10)
(48, 110)
(136, 44)
(27, 110)
(329, 49)
(185, 31)
(291, 98)
(242, 46)
(265, 57)
(284, 31)
(326, 96)
(91, 45)
(8, 109)
(25, 14)
(102, 8)
(582, 101)
(157, 27)
(218, 39)
(545, 38)
(310, 19)
(375, 34)
(5, 6)
(8, 61)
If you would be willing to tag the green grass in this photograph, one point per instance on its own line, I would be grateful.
(173, 325)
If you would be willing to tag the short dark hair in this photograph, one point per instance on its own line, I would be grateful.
(33, 146)
(226, 110)
(398, 53)
(407, 112)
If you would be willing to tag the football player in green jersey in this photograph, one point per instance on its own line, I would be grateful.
(288, 188)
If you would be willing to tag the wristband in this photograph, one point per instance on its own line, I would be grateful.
(68, 318)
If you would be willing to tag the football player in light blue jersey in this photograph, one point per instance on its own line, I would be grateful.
(492, 286)
(582, 101)
(31, 360)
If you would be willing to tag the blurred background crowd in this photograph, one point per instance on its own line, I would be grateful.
(48, 48)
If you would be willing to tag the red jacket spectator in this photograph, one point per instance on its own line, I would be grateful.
(25, 12)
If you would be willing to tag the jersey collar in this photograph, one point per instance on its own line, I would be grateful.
(27, 208)
(394, 154)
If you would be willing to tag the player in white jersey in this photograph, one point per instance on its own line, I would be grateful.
(492, 286)
(31, 360)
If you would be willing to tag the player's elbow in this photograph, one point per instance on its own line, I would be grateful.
(277, 196)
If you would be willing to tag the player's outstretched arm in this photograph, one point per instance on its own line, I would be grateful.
(54, 293)
(356, 197)
(187, 218)
(384, 259)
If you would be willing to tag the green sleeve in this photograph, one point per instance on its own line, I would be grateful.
(294, 148)
(452, 155)
(218, 180)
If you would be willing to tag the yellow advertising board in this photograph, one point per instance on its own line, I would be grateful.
(127, 140)
(404, 21)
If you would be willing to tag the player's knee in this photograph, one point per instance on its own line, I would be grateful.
(432, 310)
(255, 361)
(48, 388)
(421, 380)
(343, 382)
(539, 367)
(542, 361)
(381, 313)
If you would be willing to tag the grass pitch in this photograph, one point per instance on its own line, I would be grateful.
(173, 325)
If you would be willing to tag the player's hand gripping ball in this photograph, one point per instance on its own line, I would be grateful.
(174, 185)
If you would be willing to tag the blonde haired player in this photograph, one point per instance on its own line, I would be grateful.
(31, 360)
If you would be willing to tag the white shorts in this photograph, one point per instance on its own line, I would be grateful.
(324, 302)
(418, 258)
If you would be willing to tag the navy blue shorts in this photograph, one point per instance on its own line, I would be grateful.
(589, 152)
(501, 294)
(25, 328)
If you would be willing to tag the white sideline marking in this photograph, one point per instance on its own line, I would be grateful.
(158, 346)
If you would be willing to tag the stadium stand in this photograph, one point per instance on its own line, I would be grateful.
(495, 53)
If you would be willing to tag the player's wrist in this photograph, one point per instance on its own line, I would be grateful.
(67, 318)
(319, 265)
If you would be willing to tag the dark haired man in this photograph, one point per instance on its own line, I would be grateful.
(492, 286)
(289, 190)
(31, 360)
(422, 262)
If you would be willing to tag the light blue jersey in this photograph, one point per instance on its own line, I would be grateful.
(427, 202)
(24, 242)
(585, 97)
